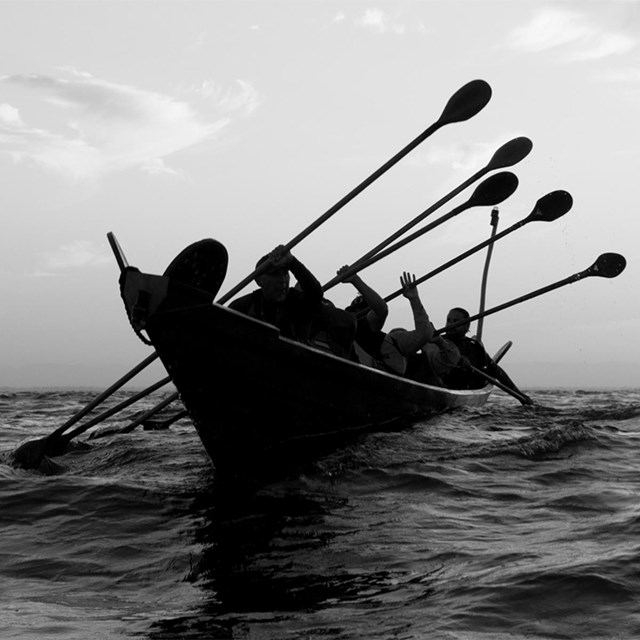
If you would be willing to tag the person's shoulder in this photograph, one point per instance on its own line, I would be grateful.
(475, 344)
(243, 302)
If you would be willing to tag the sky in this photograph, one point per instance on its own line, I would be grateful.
(169, 122)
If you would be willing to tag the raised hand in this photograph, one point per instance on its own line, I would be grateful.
(352, 278)
(408, 284)
(280, 257)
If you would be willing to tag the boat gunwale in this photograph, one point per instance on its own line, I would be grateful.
(486, 390)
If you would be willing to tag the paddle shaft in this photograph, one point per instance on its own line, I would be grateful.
(534, 294)
(423, 215)
(359, 266)
(161, 405)
(462, 256)
(509, 154)
(110, 412)
(497, 383)
(336, 207)
(483, 287)
(103, 396)
(464, 104)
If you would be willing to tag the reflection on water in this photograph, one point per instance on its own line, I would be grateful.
(257, 556)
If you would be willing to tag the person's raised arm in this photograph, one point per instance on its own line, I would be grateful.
(309, 285)
(378, 309)
(412, 341)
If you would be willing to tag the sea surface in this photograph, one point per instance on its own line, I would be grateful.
(505, 522)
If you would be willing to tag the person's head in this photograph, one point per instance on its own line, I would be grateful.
(274, 282)
(357, 304)
(457, 314)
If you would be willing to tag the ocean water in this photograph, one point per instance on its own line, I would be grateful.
(505, 522)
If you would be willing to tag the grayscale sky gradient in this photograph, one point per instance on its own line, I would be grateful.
(169, 122)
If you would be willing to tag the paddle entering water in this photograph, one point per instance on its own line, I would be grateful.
(608, 265)
(59, 446)
(496, 383)
(463, 104)
(203, 265)
(547, 209)
(507, 155)
(30, 454)
(492, 191)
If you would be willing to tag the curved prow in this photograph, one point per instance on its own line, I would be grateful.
(117, 251)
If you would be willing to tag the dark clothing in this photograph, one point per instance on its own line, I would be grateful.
(335, 327)
(437, 359)
(463, 378)
(293, 316)
(369, 340)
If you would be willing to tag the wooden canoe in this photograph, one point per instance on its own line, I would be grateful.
(258, 399)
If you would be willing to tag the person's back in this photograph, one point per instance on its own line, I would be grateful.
(399, 345)
(370, 311)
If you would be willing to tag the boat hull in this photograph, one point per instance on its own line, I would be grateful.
(255, 397)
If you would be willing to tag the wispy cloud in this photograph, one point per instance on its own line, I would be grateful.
(380, 22)
(460, 157)
(74, 255)
(241, 99)
(105, 126)
(581, 38)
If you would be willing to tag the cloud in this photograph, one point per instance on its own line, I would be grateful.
(74, 255)
(107, 127)
(552, 28)
(460, 157)
(607, 44)
(242, 99)
(378, 21)
(10, 115)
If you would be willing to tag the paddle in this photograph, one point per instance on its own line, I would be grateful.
(29, 454)
(492, 191)
(547, 209)
(463, 104)
(608, 265)
(512, 392)
(495, 214)
(161, 405)
(507, 155)
(59, 446)
(158, 425)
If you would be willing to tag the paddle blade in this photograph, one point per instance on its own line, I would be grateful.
(494, 189)
(608, 265)
(466, 102)
(510, 153)
(551, 207)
